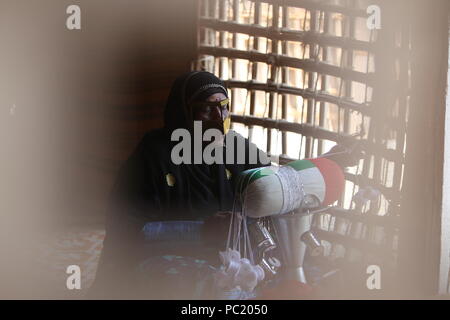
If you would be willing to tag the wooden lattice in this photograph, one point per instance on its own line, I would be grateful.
(304, 75)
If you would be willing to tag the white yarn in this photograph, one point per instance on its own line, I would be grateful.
(281, 192)
(238, 272)
(292, 189)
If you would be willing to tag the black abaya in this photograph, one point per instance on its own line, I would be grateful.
(150, 187)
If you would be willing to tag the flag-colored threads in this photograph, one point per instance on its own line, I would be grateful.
(334, 179)
(277, 190)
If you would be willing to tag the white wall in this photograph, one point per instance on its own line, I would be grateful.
(445, 226)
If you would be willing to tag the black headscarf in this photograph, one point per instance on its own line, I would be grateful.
(189, 87)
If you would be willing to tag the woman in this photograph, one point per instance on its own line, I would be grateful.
(151, 191)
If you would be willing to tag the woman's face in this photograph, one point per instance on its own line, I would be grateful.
(212, 114)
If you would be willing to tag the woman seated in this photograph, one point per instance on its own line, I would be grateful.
(157, 244)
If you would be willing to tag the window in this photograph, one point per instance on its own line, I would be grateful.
(302, 77)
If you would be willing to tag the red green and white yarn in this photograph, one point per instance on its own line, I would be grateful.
(276, 190)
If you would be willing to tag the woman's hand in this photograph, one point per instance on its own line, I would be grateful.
(345, 156)
(215, 228)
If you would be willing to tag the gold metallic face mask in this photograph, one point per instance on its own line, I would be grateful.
(207, 106)
(227, 121)
(226, 125)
